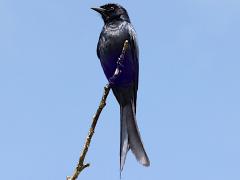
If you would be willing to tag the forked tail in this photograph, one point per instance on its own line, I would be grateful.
(130, 136)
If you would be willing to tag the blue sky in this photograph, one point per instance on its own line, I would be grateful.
(188, 101)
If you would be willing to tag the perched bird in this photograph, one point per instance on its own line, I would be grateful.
(118, 28)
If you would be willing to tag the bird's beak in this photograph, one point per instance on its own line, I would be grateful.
(99, 10)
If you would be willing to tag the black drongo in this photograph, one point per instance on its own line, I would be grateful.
(118, 28)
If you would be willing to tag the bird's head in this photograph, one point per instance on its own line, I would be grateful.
(111, 12)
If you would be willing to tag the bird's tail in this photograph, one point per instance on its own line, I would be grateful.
(130, 136)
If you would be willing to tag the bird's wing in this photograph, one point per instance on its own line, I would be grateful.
(135, 54)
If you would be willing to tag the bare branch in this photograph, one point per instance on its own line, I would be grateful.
(81, 165)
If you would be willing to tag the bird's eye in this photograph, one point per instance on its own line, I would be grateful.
(112, 8)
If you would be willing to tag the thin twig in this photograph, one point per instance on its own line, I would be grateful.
(81, 165)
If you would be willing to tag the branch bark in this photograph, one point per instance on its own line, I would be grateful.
(81, 165)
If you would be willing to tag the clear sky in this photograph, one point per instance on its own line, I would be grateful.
(188, 102)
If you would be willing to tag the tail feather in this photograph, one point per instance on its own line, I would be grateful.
(124, 147)
(130, 136)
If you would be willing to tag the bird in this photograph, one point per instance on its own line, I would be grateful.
(116, 30)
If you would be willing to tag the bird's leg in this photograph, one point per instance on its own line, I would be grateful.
(120, 65)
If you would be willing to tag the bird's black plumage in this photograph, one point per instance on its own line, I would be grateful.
(118, 28)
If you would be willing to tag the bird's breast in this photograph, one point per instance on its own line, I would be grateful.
(110, 47)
